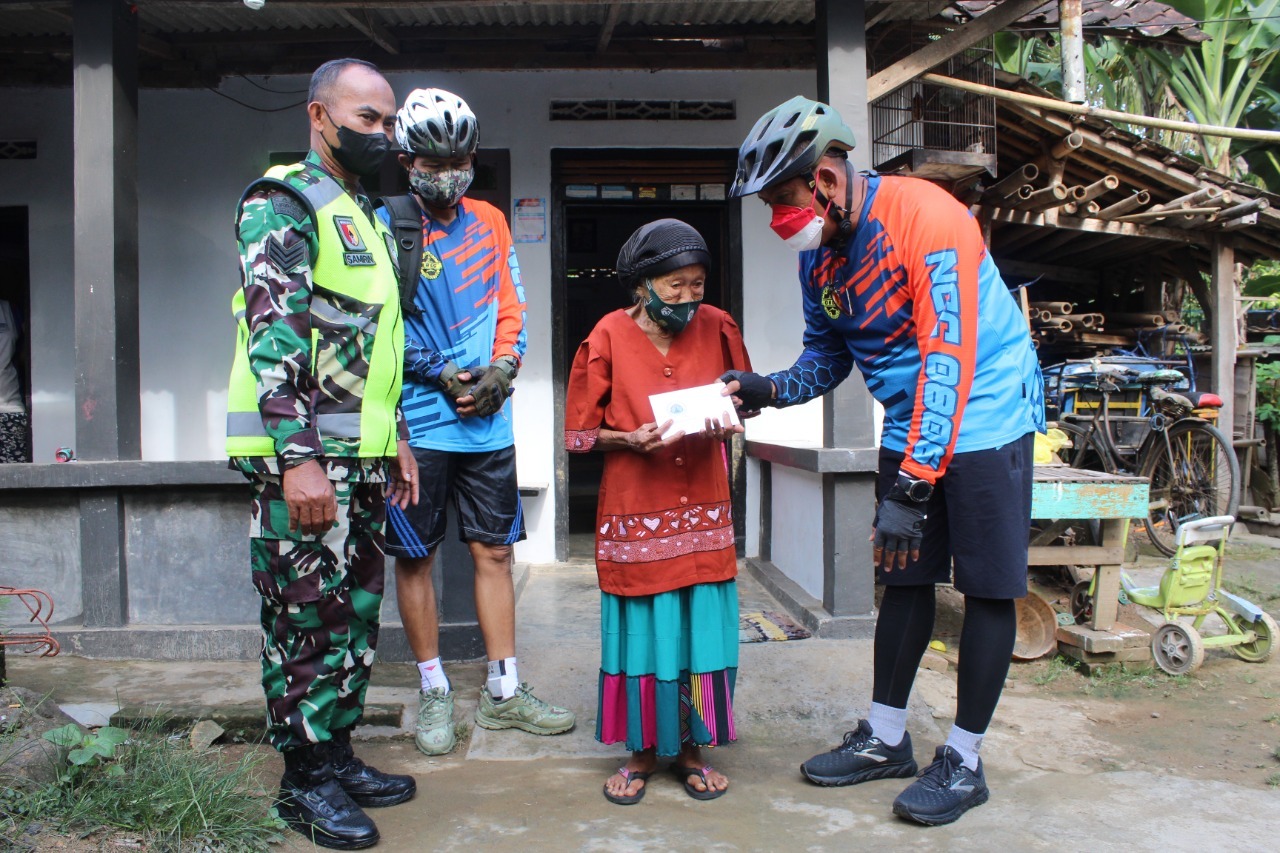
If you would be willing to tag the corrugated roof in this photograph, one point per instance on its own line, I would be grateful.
(1108, 17)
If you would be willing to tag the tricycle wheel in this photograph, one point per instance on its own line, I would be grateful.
(1264, 647)
(1177, 648)
(1081, 602)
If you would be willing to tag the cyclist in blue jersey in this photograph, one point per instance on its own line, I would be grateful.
(464, 340)
(896, 280)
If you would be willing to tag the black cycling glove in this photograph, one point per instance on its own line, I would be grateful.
(493, 385)
(899, 528)
(755, 391)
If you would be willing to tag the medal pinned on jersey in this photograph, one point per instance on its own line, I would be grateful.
(829, 303)
(431, 265)
(356, 254)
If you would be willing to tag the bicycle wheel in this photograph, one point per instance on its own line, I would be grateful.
(1087, 451)
(1196, 475)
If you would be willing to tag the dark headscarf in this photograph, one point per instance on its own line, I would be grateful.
(660, 247)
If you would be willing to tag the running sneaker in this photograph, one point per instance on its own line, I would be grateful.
(945, 790)
(522, 711)
(860, 758)
(435, 734)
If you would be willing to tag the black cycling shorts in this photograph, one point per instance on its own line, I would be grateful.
(978, 522)
(485, 495)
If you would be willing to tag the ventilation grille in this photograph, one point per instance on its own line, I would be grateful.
(625, 110)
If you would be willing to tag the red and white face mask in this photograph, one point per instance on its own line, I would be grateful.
(799, 227)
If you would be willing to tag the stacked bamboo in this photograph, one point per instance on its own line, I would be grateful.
(1057, 324)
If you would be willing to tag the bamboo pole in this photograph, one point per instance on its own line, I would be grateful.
(1054, 307)
(1066, 145)
(1190, 199)
(1098, 112)
(1120, 208)
(1097, 188)
(1050, 196)
(1189, 212)
(1012, 181)
(1242, 209)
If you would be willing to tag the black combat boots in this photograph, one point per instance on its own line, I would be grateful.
(368, 787)
(312, 802)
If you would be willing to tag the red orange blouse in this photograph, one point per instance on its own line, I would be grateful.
(664, 520)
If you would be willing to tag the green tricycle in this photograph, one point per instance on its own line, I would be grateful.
(1192, 586)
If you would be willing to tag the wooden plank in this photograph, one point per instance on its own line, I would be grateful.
(953, 43)
(1096, 226)
(1073, 555)
(1106, 585)
(1066, 499)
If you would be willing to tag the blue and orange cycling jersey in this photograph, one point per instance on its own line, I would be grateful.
(472, 311)
(915, 301)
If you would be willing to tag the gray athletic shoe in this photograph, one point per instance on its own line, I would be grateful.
(522, 711)
(435, 733)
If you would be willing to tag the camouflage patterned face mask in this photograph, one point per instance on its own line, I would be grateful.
(441, 189)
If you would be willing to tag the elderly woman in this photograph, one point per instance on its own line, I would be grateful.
(664, 526)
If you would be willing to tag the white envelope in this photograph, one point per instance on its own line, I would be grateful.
(689, 408)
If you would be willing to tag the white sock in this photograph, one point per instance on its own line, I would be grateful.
(967, 744)
(432, 673)
(888, 723)
(503, 680)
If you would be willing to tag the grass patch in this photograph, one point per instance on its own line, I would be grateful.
(154, 787)
(1118, 681)
(1057, 667)
(1248, 587)
(1274, 780)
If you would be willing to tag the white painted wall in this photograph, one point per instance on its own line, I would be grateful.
(198, 150)
(796, 528)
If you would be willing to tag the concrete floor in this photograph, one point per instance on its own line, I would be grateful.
(1054, 782)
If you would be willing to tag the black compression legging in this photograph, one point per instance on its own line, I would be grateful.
(903, 630)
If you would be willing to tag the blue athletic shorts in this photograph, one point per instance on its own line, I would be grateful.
(978, 522)
(484, 492)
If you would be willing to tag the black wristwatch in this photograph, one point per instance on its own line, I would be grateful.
(917, 490)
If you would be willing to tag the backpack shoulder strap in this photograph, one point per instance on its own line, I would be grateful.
(406, 226)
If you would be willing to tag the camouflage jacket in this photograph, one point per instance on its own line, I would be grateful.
(277, 242)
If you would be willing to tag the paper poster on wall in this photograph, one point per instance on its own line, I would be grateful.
(529, 220)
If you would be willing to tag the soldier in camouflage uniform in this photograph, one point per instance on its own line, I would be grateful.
(315, 424)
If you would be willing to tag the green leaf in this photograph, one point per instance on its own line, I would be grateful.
(111, 735)
(115, 770)
(81, 756)
(66, 736)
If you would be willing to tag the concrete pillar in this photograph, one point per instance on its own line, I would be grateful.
(848, 499)
(105, 246)
(106, 230)
(1225, 333)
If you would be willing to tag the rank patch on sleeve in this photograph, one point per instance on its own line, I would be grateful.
(286, 259)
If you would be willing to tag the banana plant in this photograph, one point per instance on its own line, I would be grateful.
(1220, 80)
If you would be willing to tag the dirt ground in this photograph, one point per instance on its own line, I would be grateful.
(1221, 722)
(1058, 736)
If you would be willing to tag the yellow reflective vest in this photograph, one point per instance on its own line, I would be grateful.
(355, 321)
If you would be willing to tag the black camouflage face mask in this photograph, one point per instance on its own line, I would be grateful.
(672, 316)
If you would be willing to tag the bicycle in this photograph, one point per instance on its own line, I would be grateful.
(1192, 468)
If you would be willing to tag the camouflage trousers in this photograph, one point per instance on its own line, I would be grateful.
(321, 600)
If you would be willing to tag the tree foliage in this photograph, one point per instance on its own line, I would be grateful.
(1232, 79)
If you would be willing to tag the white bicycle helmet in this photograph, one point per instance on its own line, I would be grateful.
(436, 123)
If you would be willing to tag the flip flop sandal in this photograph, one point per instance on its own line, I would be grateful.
(685, 772)
(629, 775)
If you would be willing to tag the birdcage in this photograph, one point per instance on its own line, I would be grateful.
(931, 131)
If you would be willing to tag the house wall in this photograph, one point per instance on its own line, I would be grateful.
(197, 151)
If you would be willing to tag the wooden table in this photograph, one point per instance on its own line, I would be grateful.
(1062, 495)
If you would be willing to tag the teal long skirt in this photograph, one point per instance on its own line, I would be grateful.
(668, 663)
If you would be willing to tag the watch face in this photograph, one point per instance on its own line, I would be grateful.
(920, 490)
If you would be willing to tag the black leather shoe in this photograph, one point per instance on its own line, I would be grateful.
(313, 803)
(366, 785)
